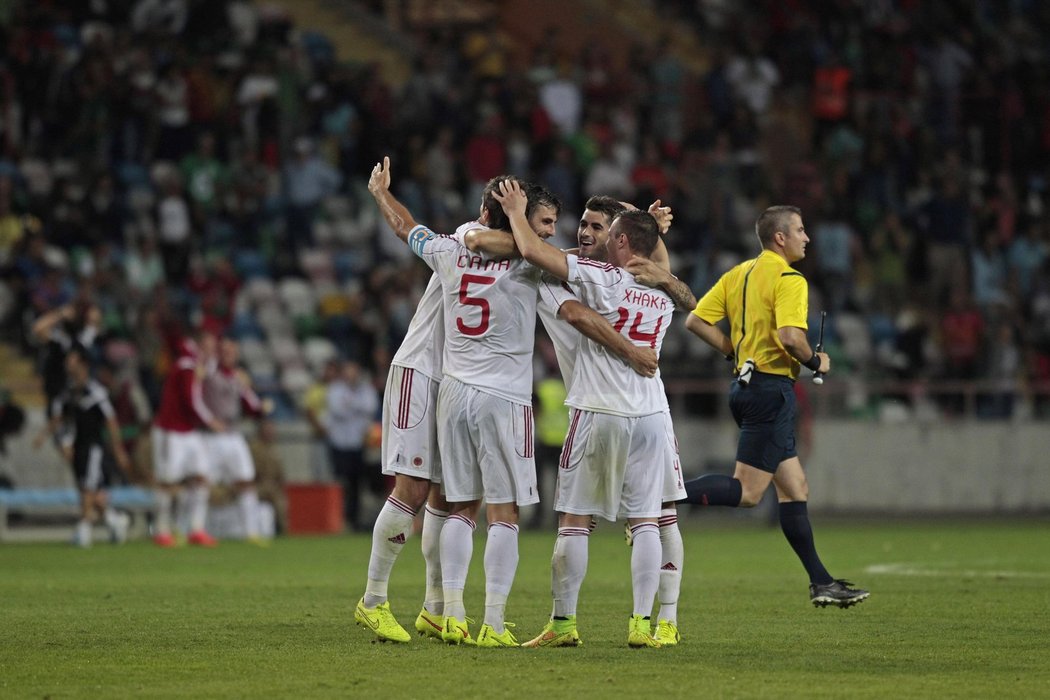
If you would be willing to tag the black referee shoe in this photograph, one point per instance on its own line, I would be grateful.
(838, 592)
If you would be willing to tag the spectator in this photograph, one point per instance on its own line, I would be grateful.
(308, 179)
(351, 403)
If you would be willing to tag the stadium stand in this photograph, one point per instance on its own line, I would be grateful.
(918, 155)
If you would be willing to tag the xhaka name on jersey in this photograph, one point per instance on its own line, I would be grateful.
(653, 301)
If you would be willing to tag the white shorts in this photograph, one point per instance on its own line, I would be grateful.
(230, 458)
(674, 486)
(486, 446)
(410, 425)
(177, 456)
(613, 466)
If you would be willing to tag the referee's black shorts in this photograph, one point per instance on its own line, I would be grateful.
(765, 411)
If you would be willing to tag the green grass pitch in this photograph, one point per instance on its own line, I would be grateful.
(958, 609)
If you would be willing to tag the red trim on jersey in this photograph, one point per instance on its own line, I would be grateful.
(594, 263)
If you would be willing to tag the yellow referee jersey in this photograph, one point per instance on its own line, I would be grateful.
(759, 296)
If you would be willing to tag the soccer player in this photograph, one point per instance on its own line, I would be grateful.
(228, 394)
(767, 303)
(618, 439)
(60, 329)
(484, 411)
(85, 404)
(652, 271)
(179, 456)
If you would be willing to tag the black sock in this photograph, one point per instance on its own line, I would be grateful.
(794, 521)
(713, 490)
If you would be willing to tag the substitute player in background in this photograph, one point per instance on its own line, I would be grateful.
(767, 303)
(228, 394)
(86, 406)
(618, 440)
(180, 460)
(484, 414)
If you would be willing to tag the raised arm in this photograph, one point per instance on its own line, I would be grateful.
(532, 248)
(43, 326)
(397, 217)
(590, 323)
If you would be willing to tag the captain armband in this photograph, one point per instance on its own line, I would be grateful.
(418, 237)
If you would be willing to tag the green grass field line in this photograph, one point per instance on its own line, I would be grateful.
(957, 610)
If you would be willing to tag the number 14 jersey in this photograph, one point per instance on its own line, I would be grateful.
(602, 382)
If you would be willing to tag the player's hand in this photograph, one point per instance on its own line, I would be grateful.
(510, 195)
(379, 181)
(67, 452)
(644, 361)
(645, 271)
(662, 215)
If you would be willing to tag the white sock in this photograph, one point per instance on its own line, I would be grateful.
(568, 567)
(111, 518)
(83, 533)
(248, 505)
(164, 508)
(433, 522)
(392, 528)
(672, 560)
(645, 566)
(457, 546)
(198, 502)
(501, 563)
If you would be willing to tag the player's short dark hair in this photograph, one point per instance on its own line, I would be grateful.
(774, 219)
(498, 218)
(641, 230)
(610, 206)
(540, 196)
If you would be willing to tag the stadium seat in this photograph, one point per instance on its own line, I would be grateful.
(297, 296)
(260, 291)
(245, 326)
(296, 380)
(285, 350)
(323, 232)
(274, 320)
(336, 304)
(250, 264)
(855, 336)
(317, 352)
(308, 325)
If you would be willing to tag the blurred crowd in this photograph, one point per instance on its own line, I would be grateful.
(158, 156)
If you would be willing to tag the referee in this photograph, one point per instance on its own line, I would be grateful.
(766, 302)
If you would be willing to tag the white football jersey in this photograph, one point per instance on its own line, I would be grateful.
(601, 381)
(489, 314)
(564, 337)
(424, 342)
